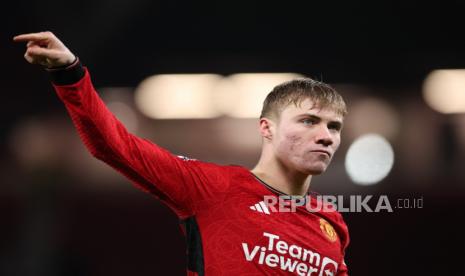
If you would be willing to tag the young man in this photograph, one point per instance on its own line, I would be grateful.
(230, 228)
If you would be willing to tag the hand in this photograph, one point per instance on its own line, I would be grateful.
(46, 49)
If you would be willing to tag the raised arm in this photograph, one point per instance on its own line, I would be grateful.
(178, 182)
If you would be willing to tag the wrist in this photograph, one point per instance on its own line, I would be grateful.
(65, 66)
(66, 75)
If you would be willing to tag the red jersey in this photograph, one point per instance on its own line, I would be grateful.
(229, 230)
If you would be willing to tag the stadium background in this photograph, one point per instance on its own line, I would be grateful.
(62, 213)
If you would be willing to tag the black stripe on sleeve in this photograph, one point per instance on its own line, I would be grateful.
(195, 258)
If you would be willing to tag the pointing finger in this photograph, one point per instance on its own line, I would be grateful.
(32, 37)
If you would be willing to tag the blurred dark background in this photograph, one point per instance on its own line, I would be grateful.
(63, 213)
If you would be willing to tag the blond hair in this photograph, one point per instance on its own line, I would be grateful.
(296, 91)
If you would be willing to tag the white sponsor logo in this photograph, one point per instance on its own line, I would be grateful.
(289, 257)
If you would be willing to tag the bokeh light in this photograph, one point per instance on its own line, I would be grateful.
(444, 91)
(369, 159)
(242, 95)
(177, 96)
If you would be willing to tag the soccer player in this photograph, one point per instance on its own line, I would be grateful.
(231, 225)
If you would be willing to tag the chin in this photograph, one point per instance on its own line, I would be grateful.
(315, 170)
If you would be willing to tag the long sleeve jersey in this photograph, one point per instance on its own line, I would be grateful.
(230, 229)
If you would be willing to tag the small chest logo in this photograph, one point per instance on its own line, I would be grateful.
(261, 208)
(184, 158)
(328, 230)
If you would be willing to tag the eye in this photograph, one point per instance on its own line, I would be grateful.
(308, 121)
(335, 126)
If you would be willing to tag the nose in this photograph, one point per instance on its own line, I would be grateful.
(324, 137)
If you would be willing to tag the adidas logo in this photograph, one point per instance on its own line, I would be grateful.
(260, 207)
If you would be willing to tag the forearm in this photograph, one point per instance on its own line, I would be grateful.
(101, 132)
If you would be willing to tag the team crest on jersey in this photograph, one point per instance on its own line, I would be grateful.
(328, 230)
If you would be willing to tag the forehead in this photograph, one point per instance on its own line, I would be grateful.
(309, 107)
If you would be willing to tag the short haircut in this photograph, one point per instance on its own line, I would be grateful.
(298, 90)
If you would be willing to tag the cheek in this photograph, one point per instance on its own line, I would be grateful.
(337, 142)
(291, 142)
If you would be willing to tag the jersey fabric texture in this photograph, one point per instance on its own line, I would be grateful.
(229, 229)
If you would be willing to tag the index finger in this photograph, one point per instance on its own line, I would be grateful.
(31, 37)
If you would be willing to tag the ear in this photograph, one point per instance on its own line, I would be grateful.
(267, 128)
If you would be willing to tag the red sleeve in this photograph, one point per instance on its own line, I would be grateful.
(178, 182)
(342, 271)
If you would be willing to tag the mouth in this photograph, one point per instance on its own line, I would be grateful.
(322, 151)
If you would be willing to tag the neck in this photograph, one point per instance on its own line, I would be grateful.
(281, 178)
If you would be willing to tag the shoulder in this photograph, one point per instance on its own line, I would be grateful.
(225, 171)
